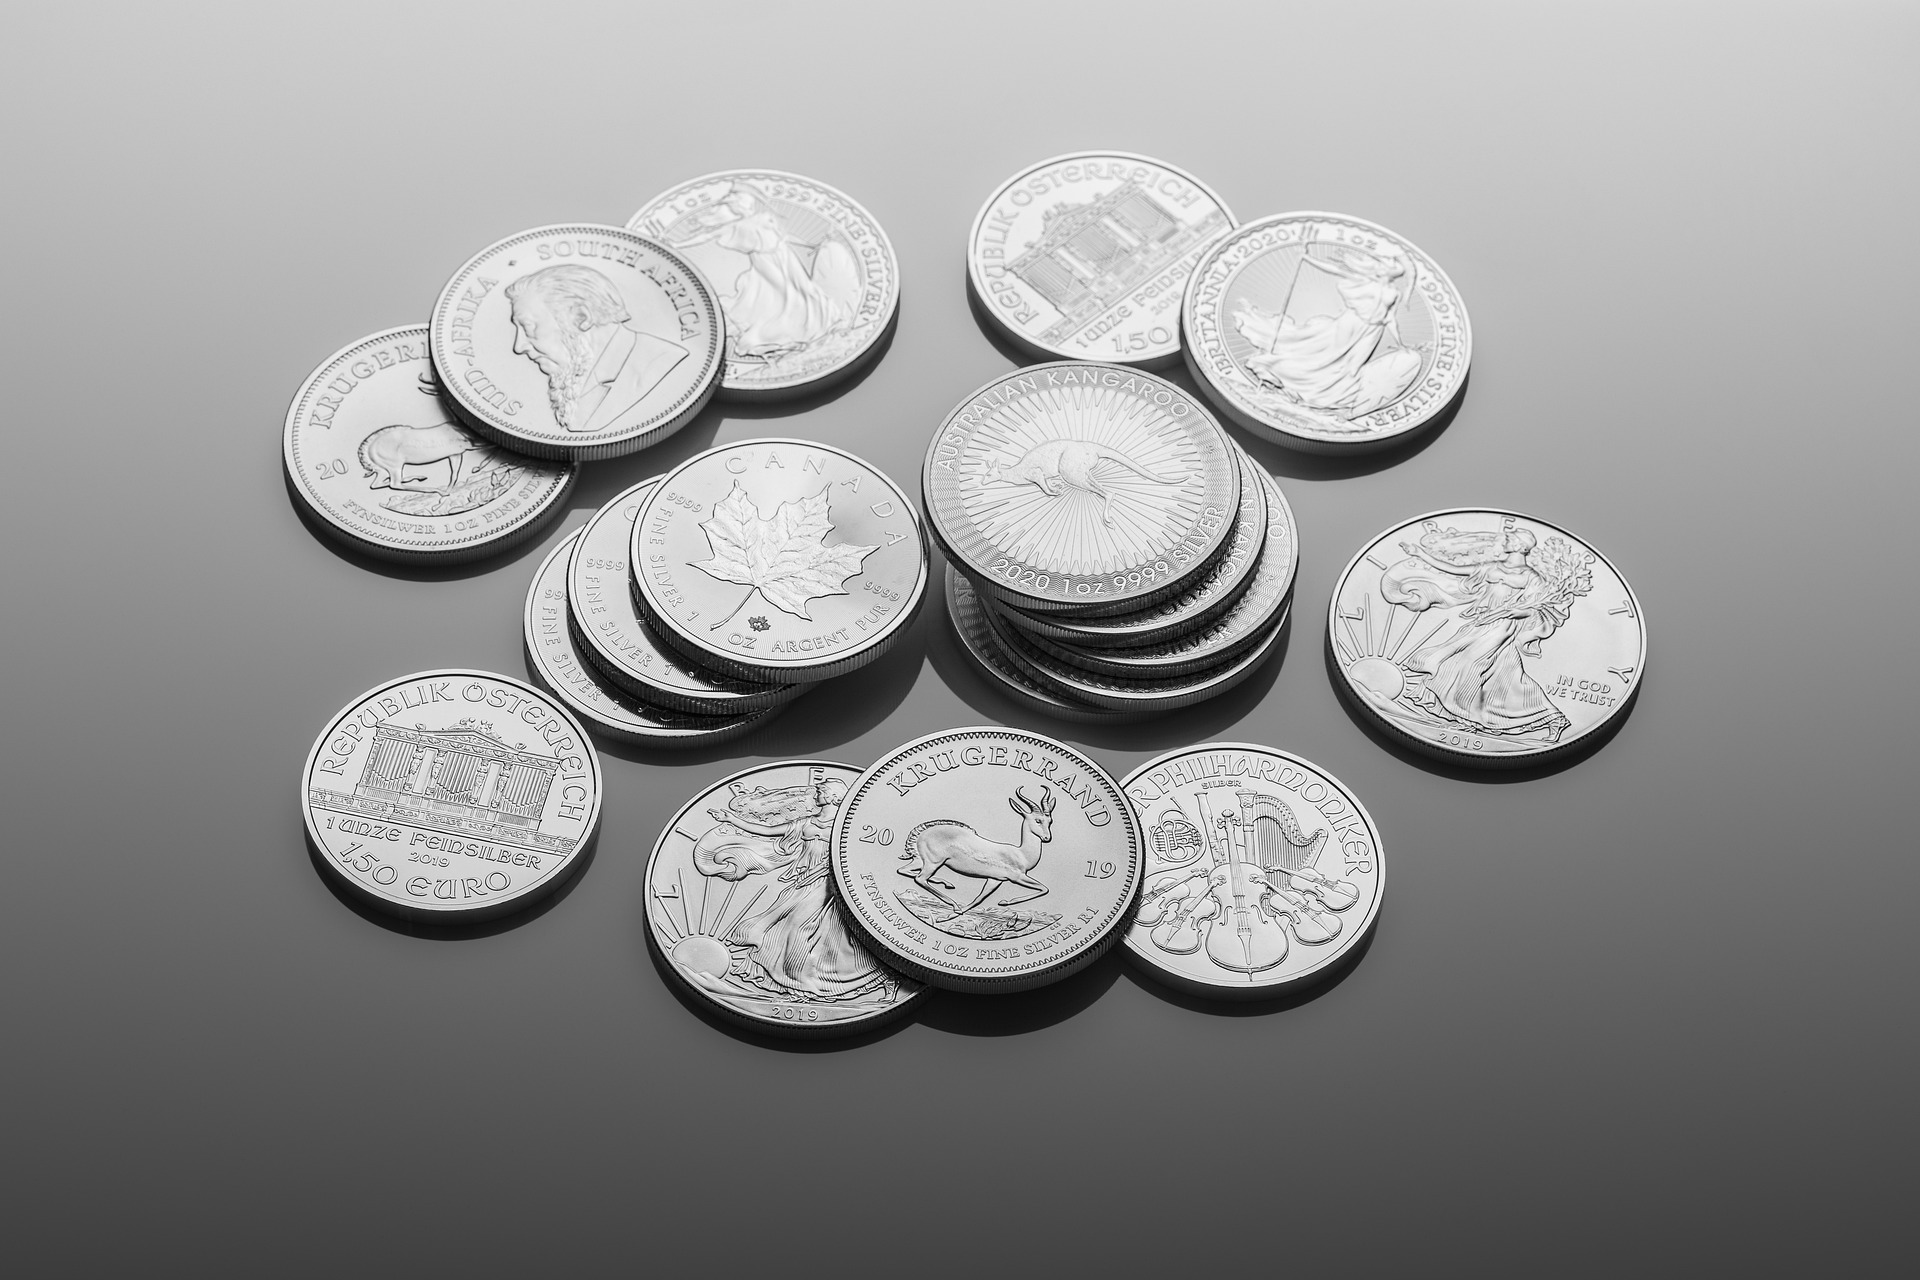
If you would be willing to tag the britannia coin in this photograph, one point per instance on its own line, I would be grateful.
(1085, 256)
(578, 341)
(1262, 870)
(740, 903)
(452, 795)
(555, 659)
(1325, 332)
(1081, 487)
(977, 638)
(806, 277)
(373, 452)
(623, 645)
(779, 560)
(987, 859)
(1486, 637)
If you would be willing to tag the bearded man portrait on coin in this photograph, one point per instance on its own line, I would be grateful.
(572, 322)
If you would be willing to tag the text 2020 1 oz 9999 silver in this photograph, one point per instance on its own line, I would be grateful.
(1263, 871)
(577, 341)
(1067, 487)
(806, 277)
(557, 665)
(1325, 332)
(1486, 637)
(451, 795)
(740, 905)
(1085, 256)
(782, 560)
(375, 454)
(971, 617)
(987, 859)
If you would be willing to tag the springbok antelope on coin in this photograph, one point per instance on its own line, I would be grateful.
(946, 842)
(387, 453)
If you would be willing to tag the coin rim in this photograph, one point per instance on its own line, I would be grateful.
(1010, 683)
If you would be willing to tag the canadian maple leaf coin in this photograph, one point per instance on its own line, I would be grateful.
(779, 560)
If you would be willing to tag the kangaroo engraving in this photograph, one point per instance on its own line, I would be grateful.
(948, 843)
(386, 454)
(1058, 465)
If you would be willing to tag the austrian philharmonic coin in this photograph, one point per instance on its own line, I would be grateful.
(577, 341)
(623, 645)
(1325, 332)
(1068, 488)
(382, 464)
(806, 277)
(740, 906)
(1263, 871)
(452, 796)
(1085, 256)
(1486, 637)
(987, 859)
(970, 622)
(555, 660)
(779, 560)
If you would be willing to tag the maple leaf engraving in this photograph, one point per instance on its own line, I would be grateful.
(783, 557)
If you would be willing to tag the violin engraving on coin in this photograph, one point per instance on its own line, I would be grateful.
(1085, 256)
(1262, 870)
(577, 341)
(1486, 637)
(1325, 332)
(452, 795)
(987, 859)
(378, 458)
(806, 277)
(740, 905)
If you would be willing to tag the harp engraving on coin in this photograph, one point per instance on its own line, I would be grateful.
(947, 844)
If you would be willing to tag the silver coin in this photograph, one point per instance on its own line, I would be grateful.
(1325, 332)
(987, 859)
(556, 663)
(969, 614)
(1262, 870)
(740, 903)
(578, 341)
(779, 560)
(1487, 637)
(1079, 487)
(375, 454)
(1085, 256)
(806, 277)
(619, 642)
(452, 795)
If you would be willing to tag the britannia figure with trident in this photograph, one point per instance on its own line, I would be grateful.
(1347, 364)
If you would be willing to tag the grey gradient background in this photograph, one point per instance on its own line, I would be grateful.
(1651, 1013)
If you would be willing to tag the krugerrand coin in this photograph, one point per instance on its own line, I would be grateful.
(624, 646)
(1081, 487)
(740, 905)
(806, 277)
(779, 560)
(1263, 871)
(969, 614)
(1486, 637)
(382, 464)
(578, 341)
(1325, 332)
(605, 709)
(987, 859)
(1085, 256)
(452, 796)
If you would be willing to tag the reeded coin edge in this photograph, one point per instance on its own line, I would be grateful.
(1008, 679)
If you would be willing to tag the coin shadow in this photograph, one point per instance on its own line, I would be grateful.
(434, 931)
(426, 570)
(1140, 975)
(1019, 1012)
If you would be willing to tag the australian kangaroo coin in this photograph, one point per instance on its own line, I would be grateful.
(451, 796)
(1325, 332)
(987, 859)
(1263, 871)
(969, 614)
(1486, 637)
(578, 341)
(779, 560)
(740, 906)
(806, 278)
(1069, 488)
(381, 463)
(554, 656)
(1085, 256)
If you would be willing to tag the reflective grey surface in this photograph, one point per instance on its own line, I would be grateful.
(1650, 1012)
